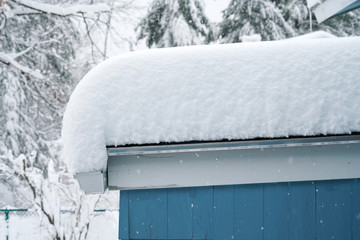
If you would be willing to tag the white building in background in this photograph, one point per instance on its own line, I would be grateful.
(330, 8)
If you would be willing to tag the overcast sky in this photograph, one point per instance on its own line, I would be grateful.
(213, 9)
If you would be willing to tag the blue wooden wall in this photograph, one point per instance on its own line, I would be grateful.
(274, 211)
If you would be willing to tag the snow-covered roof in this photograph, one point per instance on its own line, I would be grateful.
(312, 35)
(234, 91)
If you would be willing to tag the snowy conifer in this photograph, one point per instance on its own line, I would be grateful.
(171, 23)
(344, 25)
(247, 17)
(296, 13)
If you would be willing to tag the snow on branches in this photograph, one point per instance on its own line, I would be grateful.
(62, 11)
(175, 23)
(47, 193)
(8, 60)
(37, 51)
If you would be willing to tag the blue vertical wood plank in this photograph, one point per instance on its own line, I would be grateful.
(276, 215)
(202, 211)
(333, 209)
(124, 215)
(223, 212)
(179, 214)
(148, 214)
(248, 211)
(297, 210)
(302, 211)
(356, 209)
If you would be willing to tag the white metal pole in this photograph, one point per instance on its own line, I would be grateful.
(310, 16)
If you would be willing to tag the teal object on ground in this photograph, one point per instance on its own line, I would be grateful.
(7, 211)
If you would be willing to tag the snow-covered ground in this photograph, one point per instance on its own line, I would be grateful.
(25, 226)
(22, 226)
(104, 226)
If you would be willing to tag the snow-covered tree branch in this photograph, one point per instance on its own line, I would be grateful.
(38, 44)
(61, 10)
(175, 23)
(278, 19)
(8, 60)
(46, 194)
(36, 54)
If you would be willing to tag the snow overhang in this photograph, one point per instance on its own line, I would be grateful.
(330, 8)
(210, 93)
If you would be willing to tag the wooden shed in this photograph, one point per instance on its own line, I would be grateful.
(238, 141)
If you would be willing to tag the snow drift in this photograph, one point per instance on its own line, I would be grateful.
(234, 91)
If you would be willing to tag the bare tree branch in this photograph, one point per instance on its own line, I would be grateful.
(91, 40)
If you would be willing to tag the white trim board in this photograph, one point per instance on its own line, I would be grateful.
(328, 8)
(275, 163)
(231, 145)
(92, 182)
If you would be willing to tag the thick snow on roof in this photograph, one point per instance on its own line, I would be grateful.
(233, 91)
(312, 35)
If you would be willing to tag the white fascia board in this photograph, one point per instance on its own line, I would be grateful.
(328, 8)
(204, 164)
(92, 182)
(231, 145)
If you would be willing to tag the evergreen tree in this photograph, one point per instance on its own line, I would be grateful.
(279, 19)
(171, 23)
(296, 13)
(247, 17)
(344, 25)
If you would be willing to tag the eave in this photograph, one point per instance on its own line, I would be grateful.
(330, 8)
(227, 163)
